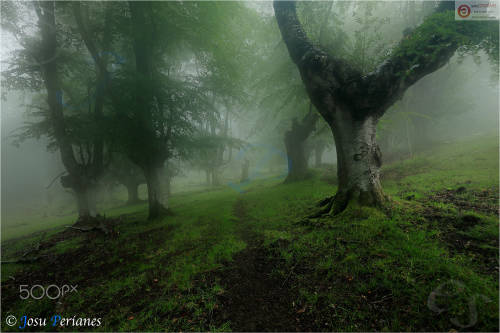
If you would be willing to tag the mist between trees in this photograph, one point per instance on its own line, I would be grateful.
(113, 103)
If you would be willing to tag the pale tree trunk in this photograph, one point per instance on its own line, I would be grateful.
(358, 162)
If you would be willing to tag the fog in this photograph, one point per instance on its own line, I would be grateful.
(249, 166)
(455, 102)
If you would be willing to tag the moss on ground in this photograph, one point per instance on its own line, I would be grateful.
(430, 263)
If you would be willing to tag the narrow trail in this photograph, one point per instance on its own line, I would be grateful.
(255, 298)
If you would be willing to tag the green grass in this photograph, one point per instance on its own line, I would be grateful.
(16, 228)
(362, 270)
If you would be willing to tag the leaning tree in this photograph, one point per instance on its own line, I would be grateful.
(352, 102)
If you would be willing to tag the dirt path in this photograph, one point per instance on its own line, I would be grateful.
(255, 298)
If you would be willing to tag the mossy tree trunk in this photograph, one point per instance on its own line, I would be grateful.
(351, 102)
(358, 162)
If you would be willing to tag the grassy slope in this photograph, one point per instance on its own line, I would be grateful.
(20, 227)
(362, 270)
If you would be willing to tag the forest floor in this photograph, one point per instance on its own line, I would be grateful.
(251, 262)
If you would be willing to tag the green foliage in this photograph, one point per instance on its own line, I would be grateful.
(160, 274)
(441, 30)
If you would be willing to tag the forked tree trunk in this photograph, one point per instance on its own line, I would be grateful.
(351, 101)
(358, 163)
(156, 208)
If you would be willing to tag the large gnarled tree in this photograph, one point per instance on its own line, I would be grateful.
(352, 102)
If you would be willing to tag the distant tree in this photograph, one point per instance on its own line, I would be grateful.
(320, 141)
(295, 140)
(352, 102)
(122, 171)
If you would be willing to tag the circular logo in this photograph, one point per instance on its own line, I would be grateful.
(11, 320)
(463, 11)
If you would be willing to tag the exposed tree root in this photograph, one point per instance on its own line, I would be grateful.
(325, 201)
(336, 204)
(325, 207)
